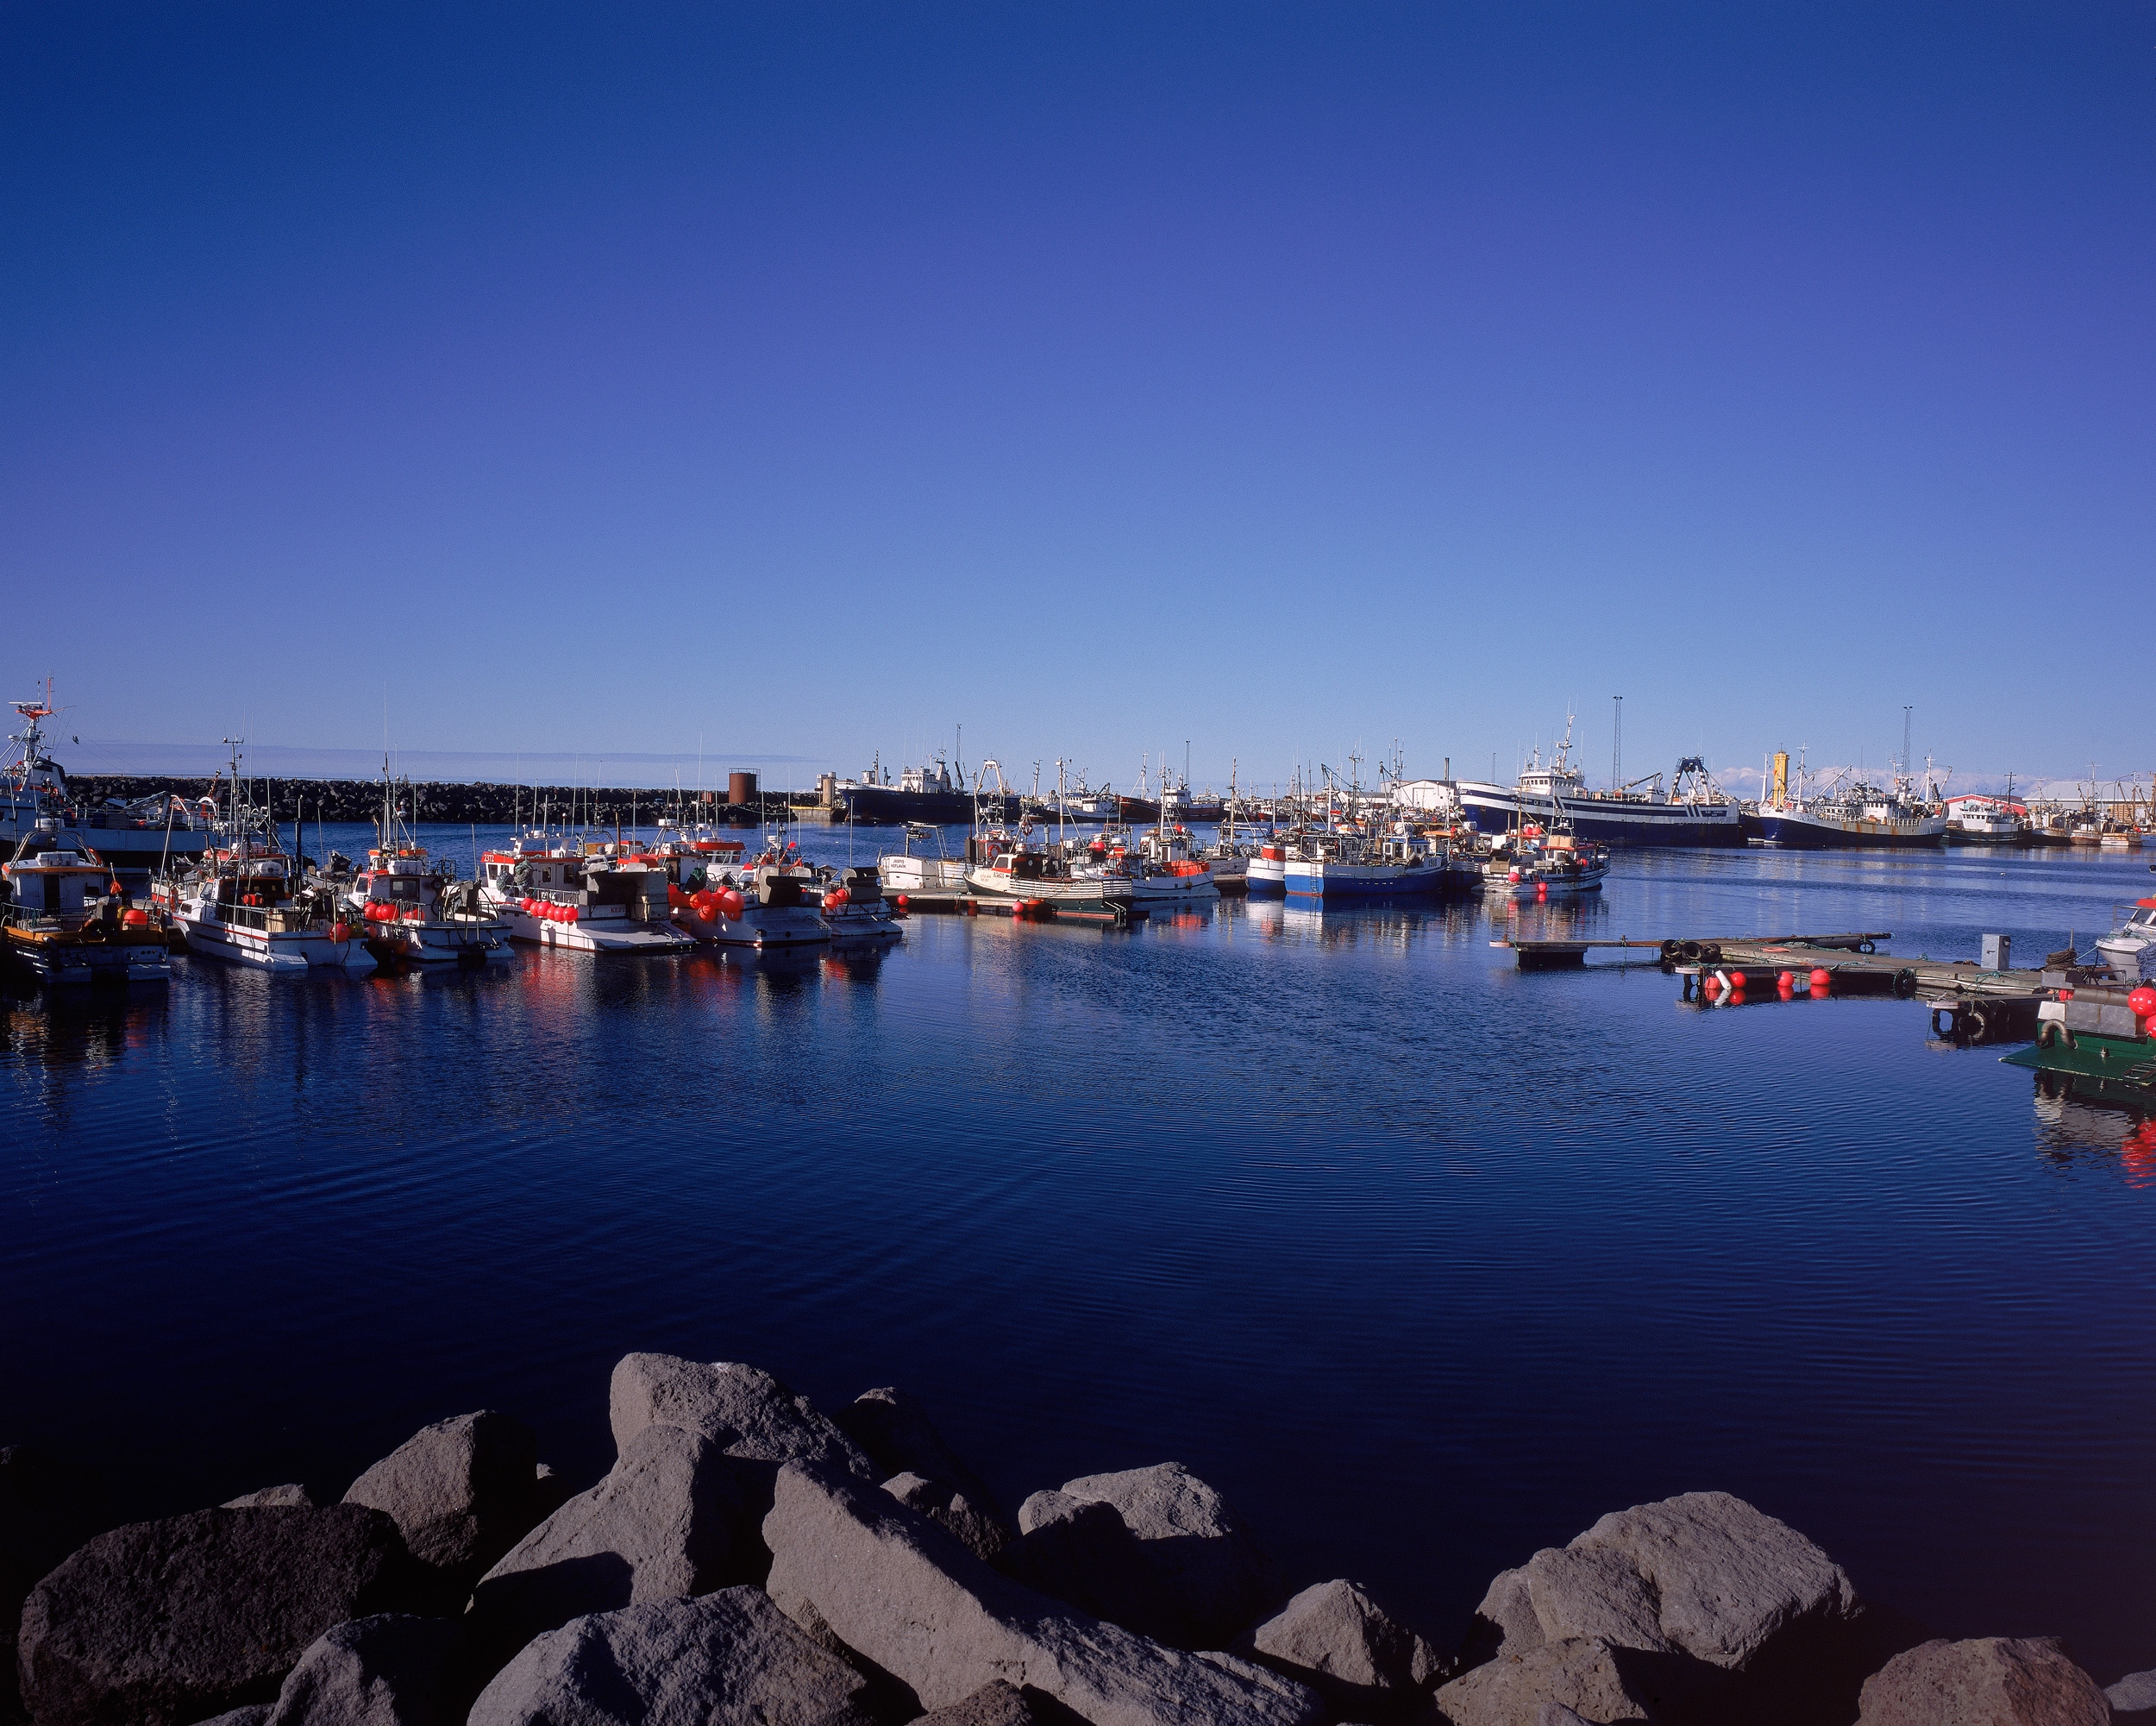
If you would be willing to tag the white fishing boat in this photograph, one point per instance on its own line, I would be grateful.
(911, 870)
(587, 898)
(242, 900)
(854, 909)
(2123, 948)
(1532, 863)
(1979, 820)
(412, 909)
(65, 918)
(768, 905)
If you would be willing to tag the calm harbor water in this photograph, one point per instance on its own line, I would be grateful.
(1425, 1263)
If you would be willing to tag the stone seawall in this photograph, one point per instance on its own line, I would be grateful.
(750, 1560)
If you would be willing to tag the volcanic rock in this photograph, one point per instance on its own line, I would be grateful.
(904, 1593)
(1986, 1681)
(167, 1623)
(2134, 1694)
(729, 1659)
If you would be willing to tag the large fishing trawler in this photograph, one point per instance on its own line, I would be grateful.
(1852, 815)
(1693, 811)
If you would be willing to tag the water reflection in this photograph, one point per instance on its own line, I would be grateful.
(2082, 1121)
(89, 1028)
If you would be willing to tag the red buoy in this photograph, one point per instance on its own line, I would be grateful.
(1710, 986)
(2142, 1001)
(1820, 979)
(1738, 979)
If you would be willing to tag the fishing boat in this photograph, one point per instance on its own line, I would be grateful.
(853, 909)
(589, 898)
(1861, 816)
(1693, 811)
(933, 796)
(909, 871)
(1532, 863)
(2135, 936)
(1976, 819)
(134, 840)
(1010, 866)
(768, 905)
(412, 909)
(65, 918)
(244, 898)
(1347, 864)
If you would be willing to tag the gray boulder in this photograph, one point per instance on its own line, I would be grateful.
(1703, 1577)
(1986, 1681)
(1084, 1554)
(895, 1432)
(2134, 1694)
(48, 1506)
(1336, 1639)
(1220, 1578)
(905, 1594)
(668, 1521)
(999, 1705)
(254, 1714)
(729, 1659)
(984, 1534)
(743, 1410)
(392, 1669)
(167, 1623)
(1705, 1573)
(463, 1490)
(1584, 1674)
(290, 1496)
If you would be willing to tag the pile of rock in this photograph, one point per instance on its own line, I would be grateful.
(748, 1558)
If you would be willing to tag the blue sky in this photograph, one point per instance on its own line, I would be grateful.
(799, 382)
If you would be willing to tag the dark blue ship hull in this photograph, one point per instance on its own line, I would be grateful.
(886, 805)
(1493, 809)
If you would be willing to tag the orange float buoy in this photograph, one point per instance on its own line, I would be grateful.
(1821, 979)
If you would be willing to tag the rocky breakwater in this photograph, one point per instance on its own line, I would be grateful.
(438, 801)
(751, 1558)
